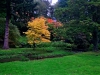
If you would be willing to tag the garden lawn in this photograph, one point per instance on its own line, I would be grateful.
(87, 63)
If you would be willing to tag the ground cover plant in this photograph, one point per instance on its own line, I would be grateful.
(86, 63)
(45, 50)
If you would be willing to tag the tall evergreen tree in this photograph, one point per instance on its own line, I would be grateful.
(8, 16)
(20, 9)
(95, 16)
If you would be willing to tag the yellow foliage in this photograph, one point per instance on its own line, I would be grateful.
(38, 31)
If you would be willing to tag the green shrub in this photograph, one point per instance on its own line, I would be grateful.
(58, 44)
(46, 49)
(62, 45)
(55, 45)
(25, 54)
(23, 42)
(46, 44)
(90, 47)
(23, 58)
(50, 49)
(68, 46)
(14, 34)
(52, 44)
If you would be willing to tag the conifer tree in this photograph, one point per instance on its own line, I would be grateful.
(19, 9)
(8, 16)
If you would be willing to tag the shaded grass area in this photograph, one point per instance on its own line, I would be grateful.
(87, 63)
(26, 54)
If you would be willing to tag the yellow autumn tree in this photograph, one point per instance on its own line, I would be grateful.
(37, 31)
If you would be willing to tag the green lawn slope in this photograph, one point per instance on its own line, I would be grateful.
(87, 63)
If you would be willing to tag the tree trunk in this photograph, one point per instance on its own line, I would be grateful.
(34, 45)
(8, 15)
(95, 39)
(6, 37)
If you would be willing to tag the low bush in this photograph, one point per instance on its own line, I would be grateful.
(25, 54)
(23, 58)
(63, 45)
(90, 47)
(57, 45)
(46, 44)
(47, 49)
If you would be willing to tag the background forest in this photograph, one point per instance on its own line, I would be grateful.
(80, 19)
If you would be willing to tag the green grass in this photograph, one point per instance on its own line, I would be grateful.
(79, 64)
